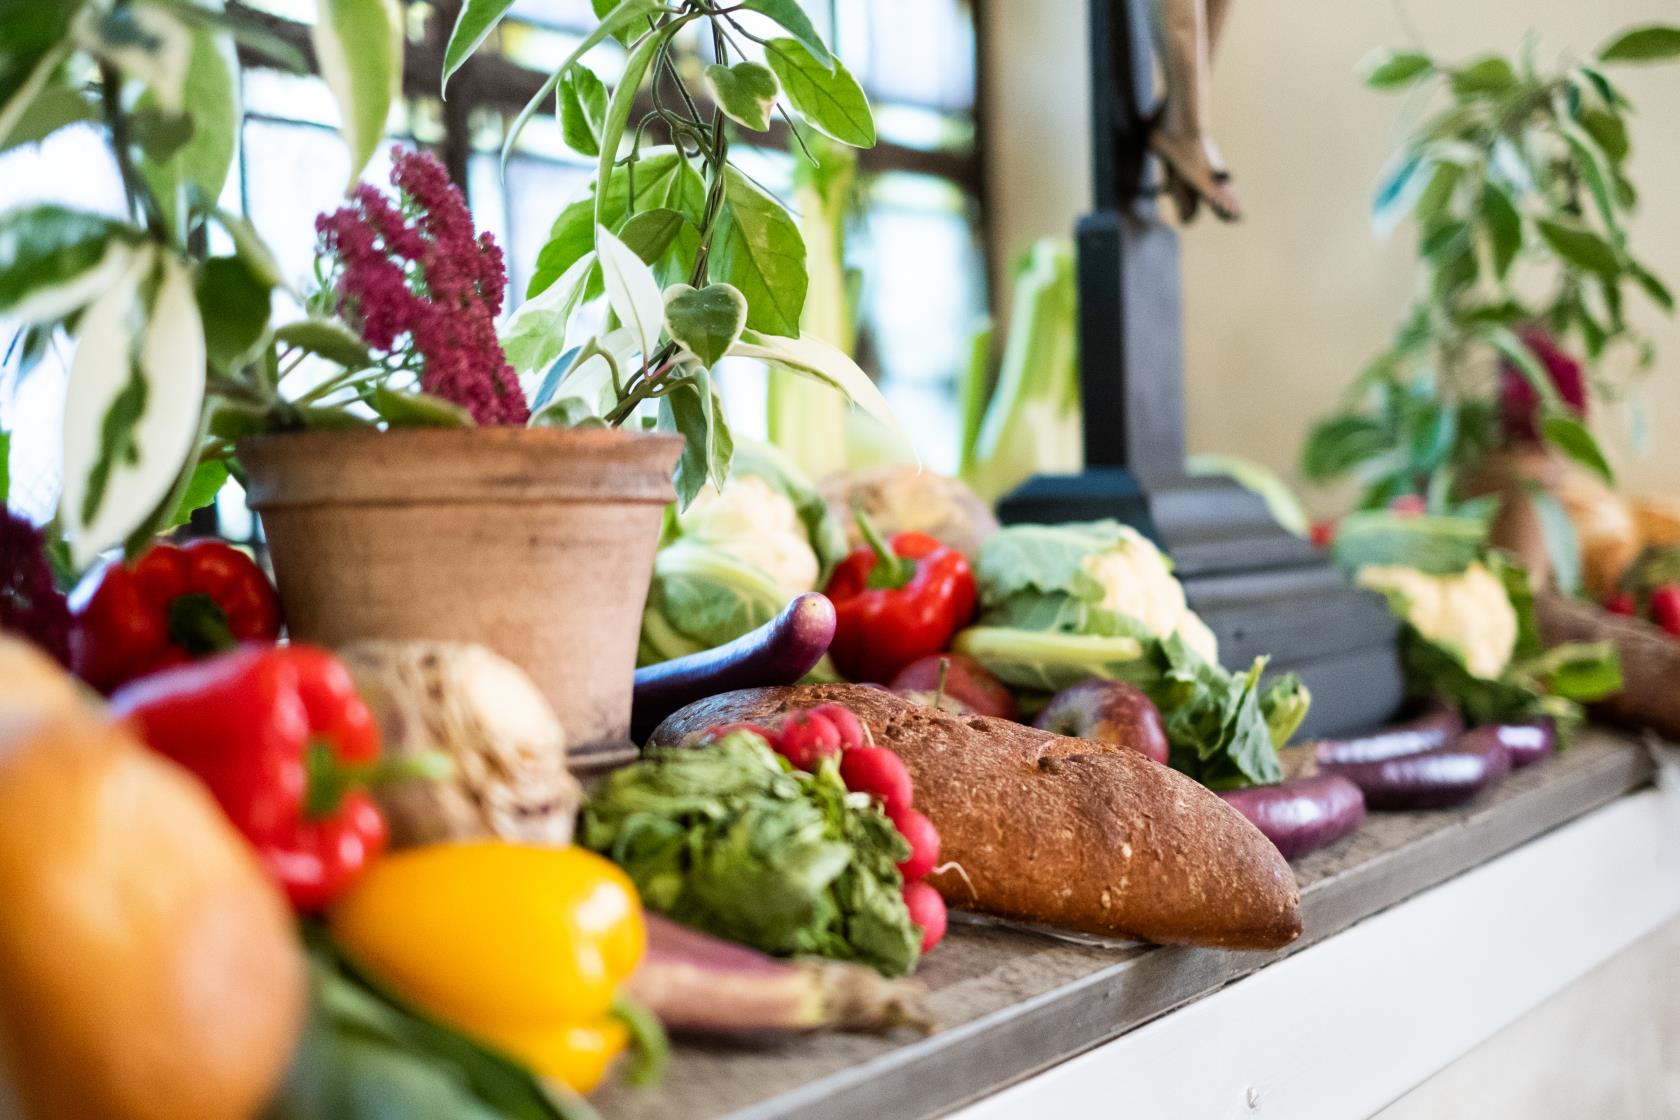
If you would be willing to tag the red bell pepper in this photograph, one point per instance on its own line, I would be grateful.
(174, 604)
(287, 748)
(894, 604)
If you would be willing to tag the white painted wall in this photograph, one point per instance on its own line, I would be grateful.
(1283, 308)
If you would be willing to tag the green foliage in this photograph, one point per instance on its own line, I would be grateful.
(666, 210)
(734, 841)
(1516, 171)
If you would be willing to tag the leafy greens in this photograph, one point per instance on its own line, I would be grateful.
(730, 839)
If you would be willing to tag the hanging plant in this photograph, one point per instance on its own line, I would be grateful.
(695, 260)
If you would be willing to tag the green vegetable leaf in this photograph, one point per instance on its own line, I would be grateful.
(234, 304)
(1438, 544)
(1566, 433)
(402, 409)
(54, 260)
(5, 467)
(732, 840)
(757, 249)
(473, 25)
(1656, 43)
(830, 99)
(1392, 69)
(1488, 75)
(1580, 246)
(583, 110)
(706, 322)
(793, 20)
(359, 45)
(746, 92)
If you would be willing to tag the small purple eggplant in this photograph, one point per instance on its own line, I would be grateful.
(1302, 814)
(1431, 779)
(780, 652)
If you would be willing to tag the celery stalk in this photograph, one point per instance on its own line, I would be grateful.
(807, 421)
(1032, 423)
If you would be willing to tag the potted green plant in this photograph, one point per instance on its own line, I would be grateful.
(410, 488)
(1520, 188)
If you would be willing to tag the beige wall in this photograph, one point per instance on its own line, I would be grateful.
(1284, 307)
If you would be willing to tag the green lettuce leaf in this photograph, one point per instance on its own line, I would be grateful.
(732, 840)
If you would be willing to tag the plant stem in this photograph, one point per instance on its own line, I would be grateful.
(140, 202)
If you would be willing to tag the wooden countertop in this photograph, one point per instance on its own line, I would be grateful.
(1011, 1003)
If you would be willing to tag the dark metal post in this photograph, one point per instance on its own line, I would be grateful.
(1262, 590)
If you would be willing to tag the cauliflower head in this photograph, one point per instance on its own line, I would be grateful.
(752, 522)
(1137, 581)
(1469, 614)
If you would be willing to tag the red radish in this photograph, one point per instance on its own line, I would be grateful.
(852, 734)
(924, 844)
(927, 910)
(1665, 607)
(880, 773)
(806, 738)
(713, 734)
(1621, 602)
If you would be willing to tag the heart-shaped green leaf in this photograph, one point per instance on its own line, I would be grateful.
(706, 322)
(746, 92)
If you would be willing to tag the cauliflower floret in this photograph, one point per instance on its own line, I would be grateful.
(1138, 582)
(752, 522)
(1469, 614)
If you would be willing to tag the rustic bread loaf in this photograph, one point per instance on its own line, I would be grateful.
(1072, 833)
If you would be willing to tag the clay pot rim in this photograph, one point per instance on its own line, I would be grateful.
(432, 466)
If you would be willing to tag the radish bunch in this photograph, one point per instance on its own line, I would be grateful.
(807, 738)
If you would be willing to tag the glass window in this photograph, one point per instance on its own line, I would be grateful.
(916, 240)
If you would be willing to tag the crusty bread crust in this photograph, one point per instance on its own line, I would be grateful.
(1073, 833)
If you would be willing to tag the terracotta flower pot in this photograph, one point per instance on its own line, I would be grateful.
(537, 543)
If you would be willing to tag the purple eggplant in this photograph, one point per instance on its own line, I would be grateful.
(1431, 779)
(1426, 733)
(780, 652)
(1527, 742)
(696, 984)
(1303, 813)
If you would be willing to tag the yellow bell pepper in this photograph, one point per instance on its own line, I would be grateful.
(521, 947)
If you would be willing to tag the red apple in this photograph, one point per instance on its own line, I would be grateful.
(967, 683)
(1111, 711)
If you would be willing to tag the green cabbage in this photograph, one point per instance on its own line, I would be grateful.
(723, 566)
(1064, 603)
